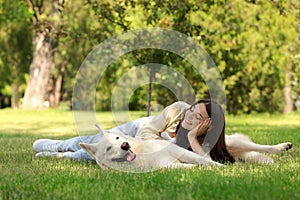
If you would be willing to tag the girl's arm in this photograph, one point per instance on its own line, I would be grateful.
(167, 120)
(194, 133)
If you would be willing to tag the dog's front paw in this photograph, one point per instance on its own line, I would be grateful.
(210, 162)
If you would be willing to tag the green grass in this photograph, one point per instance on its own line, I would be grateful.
(24, 177)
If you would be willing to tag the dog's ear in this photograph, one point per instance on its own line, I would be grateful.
(101, 130)
(89, 148)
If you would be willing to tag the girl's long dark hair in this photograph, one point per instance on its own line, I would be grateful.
(214, 139)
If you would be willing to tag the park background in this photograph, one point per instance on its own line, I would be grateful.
(254, 44)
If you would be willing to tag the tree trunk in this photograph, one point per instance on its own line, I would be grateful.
(16, 93)
(36, 95)
(15, 98)
(56, 88)
(287, 94)
(45, 40)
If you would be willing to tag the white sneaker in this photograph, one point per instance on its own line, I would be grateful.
(46, 145)
(49, 154)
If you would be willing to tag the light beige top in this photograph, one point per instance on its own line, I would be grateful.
(167, 121)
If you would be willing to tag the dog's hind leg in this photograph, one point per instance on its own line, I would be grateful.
(238, 144)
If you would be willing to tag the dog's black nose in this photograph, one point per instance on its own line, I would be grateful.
(125, 146)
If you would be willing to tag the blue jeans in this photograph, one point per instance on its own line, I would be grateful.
(73, 150)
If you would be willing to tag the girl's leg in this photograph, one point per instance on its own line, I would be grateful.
(130, 128)
(71, 144)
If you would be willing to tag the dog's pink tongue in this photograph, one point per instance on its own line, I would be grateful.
(131, 156)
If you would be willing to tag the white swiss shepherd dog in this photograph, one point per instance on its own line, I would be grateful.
(118, 151)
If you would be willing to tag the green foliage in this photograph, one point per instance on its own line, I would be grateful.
(14, 11)
(15, 44)
(254, 44)
(241, 37)
(247, 45)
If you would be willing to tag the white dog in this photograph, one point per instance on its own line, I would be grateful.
(122, 152)
(118, 150)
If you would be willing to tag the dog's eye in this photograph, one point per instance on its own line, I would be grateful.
(108, 148)
(117, 138)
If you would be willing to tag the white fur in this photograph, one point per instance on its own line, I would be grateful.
(242, 148)
(150, 154)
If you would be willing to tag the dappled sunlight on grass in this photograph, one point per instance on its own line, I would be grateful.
(25, 177)
(47, 122)
(50, 122)
(266, 128)
(291, 119)
(41, 128)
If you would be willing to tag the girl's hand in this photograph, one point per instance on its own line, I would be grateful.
(195, 132)
(200, 129)
(203, 127)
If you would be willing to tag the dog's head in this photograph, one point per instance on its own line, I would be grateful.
(112, 147)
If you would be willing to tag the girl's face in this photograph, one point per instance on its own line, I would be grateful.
(194, 115)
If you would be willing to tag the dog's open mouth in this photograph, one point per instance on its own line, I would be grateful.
(129, 156)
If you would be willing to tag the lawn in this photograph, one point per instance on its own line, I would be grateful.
(25, 177)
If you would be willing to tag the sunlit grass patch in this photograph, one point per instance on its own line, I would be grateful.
(25, 177)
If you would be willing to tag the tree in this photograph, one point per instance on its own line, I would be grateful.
(46, 23)
(257, 55)
(290, 10)
(16, 48)
(247, 46)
